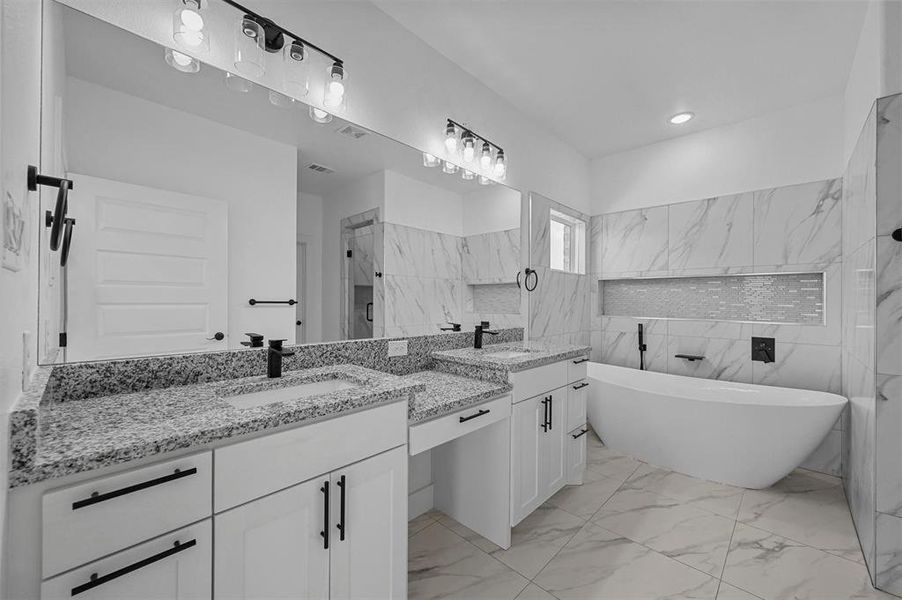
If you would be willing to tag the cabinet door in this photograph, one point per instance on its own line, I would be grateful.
(176, 566)
(576, 455)
(577, 393)
(527, 441)
(369, 511)
(552, 472)
(273, 547)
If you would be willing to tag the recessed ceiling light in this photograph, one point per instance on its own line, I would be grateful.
(680, 118)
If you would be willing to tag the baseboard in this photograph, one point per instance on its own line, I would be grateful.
(420, 501)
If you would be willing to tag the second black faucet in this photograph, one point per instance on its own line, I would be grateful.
(274, 358)
(482, 329)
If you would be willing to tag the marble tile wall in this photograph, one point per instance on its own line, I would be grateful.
(783, 230)
(887, 345)
(559, 307)
(490, 265)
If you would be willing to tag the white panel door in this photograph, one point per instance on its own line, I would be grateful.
(371, 560)
(273, 547)
(527, 437)
(553, 472)
(148, 271)
(176, 566)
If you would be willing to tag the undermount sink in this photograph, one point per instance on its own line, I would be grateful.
(288, 392)
(505, 354)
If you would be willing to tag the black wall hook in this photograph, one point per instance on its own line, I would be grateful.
(56, 220)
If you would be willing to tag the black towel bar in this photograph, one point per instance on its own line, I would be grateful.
(254, 302)
(689, 357)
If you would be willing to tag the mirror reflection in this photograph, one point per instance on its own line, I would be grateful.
(207, 208)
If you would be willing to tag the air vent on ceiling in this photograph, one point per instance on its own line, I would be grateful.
(320, 169)
(352, 132)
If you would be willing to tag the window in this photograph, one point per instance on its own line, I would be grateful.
(568, 242)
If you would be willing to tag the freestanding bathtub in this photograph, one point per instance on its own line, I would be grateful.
(737, 433)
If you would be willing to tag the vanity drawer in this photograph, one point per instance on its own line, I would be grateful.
(273, 462)
(575, 454)
(576, 368)
(577, 394)
(86, 521)
(430, 434)
(539, 380)
(155, 570)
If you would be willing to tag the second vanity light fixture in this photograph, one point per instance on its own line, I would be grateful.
(255, 36)
(479, 155)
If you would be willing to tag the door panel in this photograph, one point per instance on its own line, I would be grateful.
(371, 561)
(553, 450)
(526, 457)
(148, 271)
(272, 547)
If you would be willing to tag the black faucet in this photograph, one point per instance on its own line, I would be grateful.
(454, 327)
(274, 358)
(256, 340)
(481, 329)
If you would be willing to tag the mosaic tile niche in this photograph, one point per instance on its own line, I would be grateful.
(762, 298)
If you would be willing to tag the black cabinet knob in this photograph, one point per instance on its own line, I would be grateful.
(218, 336)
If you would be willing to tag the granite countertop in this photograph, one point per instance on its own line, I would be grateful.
(529, 355)
(55, 439)
(446, 393)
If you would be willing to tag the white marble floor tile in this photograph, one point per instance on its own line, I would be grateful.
(690, 535)
(537, 538)
(774, 567)
(584, 500)
(420, 523)
(729, 592)
(600, 564)
(534, 592)
(807, 509)
(607, 462)
(443, 565)
(714, 497)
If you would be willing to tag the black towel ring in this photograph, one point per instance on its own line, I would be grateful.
(526, 281)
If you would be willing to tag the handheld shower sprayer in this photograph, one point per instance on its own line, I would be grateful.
(642, 348)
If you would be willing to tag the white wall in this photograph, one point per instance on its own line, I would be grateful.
(358, 196)
(416, 204)
(398, 85)
(20, 35)
(490, 209)
(792, 146)
(876, 70)
(120, 137)
(310, 232)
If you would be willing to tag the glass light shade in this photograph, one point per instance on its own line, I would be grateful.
(485, 158)
(449, 168)
(469, 148)
(181, 62)
(451, 139)
(319, 115)
(280, 100)
(237, 83)
(188, 26)
(335, 91)
(430, 160)
(294, 69)
(468, 175)
(483, 180)
(249, 51)
(500, 168)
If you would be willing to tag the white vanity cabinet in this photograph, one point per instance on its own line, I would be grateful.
(341, 535)
(545, 455)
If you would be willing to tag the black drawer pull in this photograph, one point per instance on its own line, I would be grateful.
(98, 581)
(545, 415)
(550, 412)
(476, 416)
(576, 436)
(580, 386)
(325, 532)
(342, 483)
(580, 361)
(96, 497)
(689, 357)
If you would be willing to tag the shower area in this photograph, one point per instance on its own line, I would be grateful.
(872, 341)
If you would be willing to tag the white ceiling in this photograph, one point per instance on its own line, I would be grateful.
(606, 75)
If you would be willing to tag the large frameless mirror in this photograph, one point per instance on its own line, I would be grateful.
(205, 207)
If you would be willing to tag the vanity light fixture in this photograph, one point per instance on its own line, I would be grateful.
(430, 160)
(680, 118)
(449, 167)
(280, 100)
(237, 83)
(181, 62)
(483, 180)
(256, 35)
(490, 163)
(188, 25)
(467, 175)
(319, 115)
